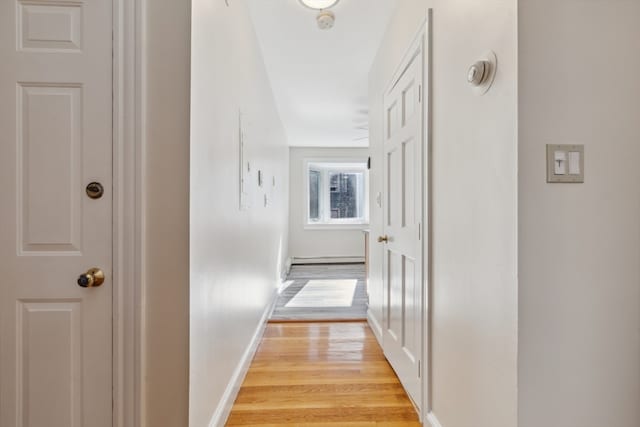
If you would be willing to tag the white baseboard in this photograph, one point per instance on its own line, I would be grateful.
(432, 420)
(287, 267)
(223, 410)
(375, 326)
(328, 259)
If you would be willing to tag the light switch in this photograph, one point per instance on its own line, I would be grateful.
(574, 163)
(565, 163)
(560, 162)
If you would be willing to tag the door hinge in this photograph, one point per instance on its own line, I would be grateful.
(419, 369)
(419, 231)
(419, 93)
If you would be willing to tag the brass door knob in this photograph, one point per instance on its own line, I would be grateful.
(93, 278)
(384, 239)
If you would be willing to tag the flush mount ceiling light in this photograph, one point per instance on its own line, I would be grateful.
(319, 4)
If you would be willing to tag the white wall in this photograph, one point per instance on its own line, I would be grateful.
(474, 304)
(579, 244)
(314, 243)
(236, 256)
(165, 310)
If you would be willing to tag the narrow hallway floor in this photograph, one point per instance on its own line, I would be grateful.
(321, 374)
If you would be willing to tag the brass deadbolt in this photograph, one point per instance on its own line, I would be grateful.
(95, 190)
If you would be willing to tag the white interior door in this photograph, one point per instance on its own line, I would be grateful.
(403, 215)
(56, 137)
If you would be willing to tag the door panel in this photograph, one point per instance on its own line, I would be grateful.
(409, 178)
(394, 326)
(48, 26)
(402, 335)
(393, 118)
(56, 121)
(409, 101)
(394, 188)
(49, 157)
(49, 354)
(411, 303)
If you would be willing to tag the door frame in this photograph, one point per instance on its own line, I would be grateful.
(128, 211)
(428, 199)
(424, 40)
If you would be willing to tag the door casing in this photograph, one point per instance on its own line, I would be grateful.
(128, 211)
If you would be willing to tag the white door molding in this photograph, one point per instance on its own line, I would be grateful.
(428, 199)
(128, 211)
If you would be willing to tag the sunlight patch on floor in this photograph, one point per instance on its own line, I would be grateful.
(325, 293)
(284, 285)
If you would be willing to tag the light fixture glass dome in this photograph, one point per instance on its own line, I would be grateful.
(319, 4)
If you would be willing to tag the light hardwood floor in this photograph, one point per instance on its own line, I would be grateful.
(321, 374)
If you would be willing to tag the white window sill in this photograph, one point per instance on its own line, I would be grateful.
(334, 226)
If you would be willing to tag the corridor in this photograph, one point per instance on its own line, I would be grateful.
(321, 374)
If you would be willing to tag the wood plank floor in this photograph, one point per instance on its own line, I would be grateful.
(321, 374)
(300, 275)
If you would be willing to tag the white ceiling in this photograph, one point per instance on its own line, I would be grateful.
(320, 77)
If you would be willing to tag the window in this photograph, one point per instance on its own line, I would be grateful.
(337, 193)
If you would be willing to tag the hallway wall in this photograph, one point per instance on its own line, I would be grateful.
(579, 244)
(474, 142)
(327, 242)
(236, 255)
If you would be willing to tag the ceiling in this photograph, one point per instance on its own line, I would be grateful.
(320, 77)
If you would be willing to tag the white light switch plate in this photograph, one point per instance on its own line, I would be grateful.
(565, 163)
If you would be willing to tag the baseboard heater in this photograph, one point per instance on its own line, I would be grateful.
(328, 260)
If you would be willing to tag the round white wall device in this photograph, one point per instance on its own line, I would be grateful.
(482, 73)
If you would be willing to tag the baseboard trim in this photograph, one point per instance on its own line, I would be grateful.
(375, 326)
(287, 267)
(223, 410)
(328, 260)
(432, 420)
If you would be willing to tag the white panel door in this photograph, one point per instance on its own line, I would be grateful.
(403, 213)
(55, 138)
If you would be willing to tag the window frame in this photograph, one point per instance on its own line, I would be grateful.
(326, 166)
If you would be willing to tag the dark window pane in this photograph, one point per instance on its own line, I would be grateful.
(314, 195)
(344, 195)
